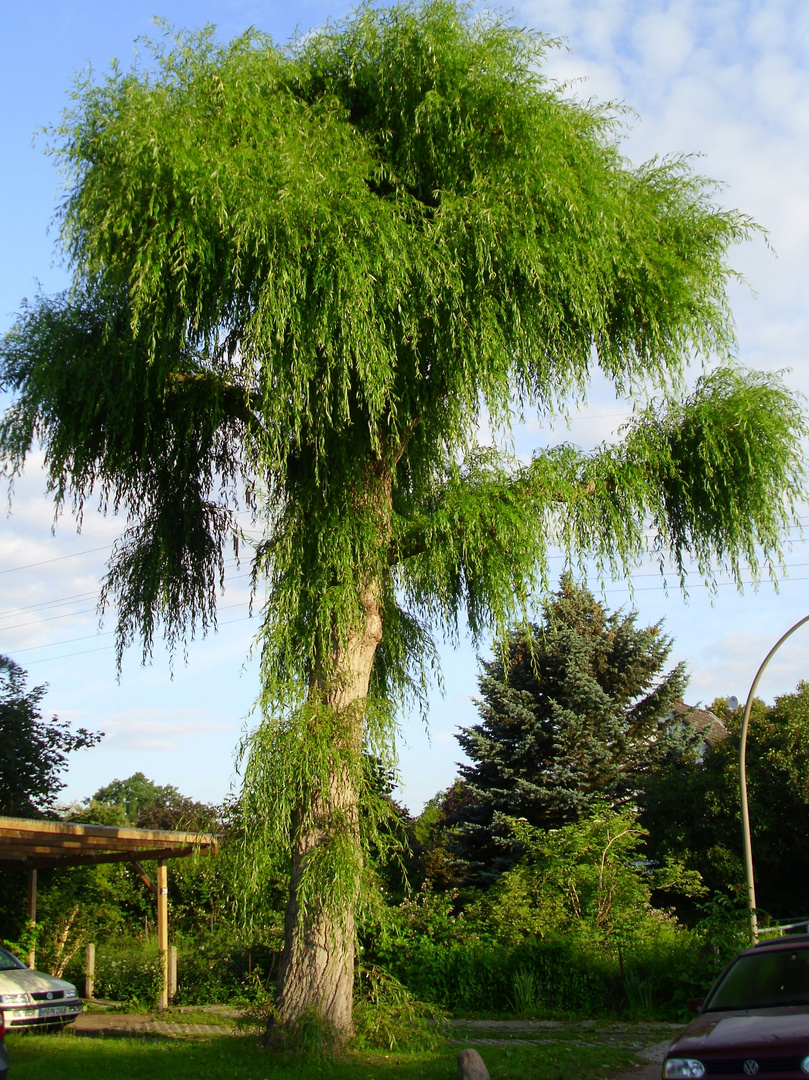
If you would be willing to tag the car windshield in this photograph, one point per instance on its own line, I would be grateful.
(764, 980)
(9, 962)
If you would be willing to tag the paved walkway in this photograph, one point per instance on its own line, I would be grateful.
(647, 1041)
(169, 1025)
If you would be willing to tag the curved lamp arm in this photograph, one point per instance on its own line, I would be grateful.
(746, 841)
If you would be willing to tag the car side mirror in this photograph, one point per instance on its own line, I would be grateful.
(694, 1005)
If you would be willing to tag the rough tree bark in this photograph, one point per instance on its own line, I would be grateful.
(317, 964)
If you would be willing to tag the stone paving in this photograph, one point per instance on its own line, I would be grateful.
(647, 1041)
(170, 1025)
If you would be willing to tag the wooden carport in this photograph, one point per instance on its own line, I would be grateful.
(37, 845)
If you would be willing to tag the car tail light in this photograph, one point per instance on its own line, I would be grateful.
(2, 1024)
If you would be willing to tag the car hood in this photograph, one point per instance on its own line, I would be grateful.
(25, 981)
(776, 1030)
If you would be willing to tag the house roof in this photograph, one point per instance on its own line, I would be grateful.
(709, 726)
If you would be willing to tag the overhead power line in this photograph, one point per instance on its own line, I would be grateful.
(59, 558)
(104, 648)
(101, 633)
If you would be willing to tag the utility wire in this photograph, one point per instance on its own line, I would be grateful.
(81, 611)
(104, 648)
(63, 601)
(59, 558)
(104, 633)
(615, 589)
(59, 602)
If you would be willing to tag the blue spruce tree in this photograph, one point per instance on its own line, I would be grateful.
(576, 710)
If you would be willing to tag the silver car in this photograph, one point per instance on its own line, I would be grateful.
(32, 998)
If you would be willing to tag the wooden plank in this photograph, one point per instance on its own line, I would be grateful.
(32, 852)
(18, 838)
(41, 862)
(172, 972)
(45, 846)
(90, 971)
(163, 930)
(48, 832)
(32, 914)
(144, 877)
(165, 837)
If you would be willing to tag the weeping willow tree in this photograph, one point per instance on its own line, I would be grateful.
(303, 276)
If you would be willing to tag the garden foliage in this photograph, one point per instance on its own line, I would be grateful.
(691, 807)
(570, 930)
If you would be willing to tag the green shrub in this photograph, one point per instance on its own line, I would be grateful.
(387, 1016)
(129, 970)
(650, 973)
(525, 993)
(213, 971)
(209, 972)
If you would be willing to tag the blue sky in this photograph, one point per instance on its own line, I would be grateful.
(726, 79)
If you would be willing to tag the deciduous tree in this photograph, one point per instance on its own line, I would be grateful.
(33, 750)
(147, 805)
(303, 274)
(692, 805)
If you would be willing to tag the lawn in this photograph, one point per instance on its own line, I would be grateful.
(69, 1056)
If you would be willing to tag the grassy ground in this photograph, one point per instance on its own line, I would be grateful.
(69, 1056)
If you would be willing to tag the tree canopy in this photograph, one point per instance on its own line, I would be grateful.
(33, 750)
(302, 275)
(147, 805)
(691, 807)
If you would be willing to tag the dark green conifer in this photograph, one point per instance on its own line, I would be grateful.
(576, 710)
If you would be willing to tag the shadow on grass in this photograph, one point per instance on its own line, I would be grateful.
(68, 1056)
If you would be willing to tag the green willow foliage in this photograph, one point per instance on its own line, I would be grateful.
(303, 274)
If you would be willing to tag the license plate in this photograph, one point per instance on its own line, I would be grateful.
(56, 1010)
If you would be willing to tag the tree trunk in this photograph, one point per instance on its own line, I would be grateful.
(316, 980)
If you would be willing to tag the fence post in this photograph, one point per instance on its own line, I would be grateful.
(163, 930)
(32, 916)
(89, 971)
(172, 972)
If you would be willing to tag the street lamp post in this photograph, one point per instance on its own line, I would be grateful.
(746, 840)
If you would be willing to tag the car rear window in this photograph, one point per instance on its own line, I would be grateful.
(764, 980)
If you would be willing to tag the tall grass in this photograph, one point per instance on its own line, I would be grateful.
(556, 978)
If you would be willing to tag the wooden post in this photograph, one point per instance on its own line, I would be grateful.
(32, 915)
(172, 972)
(163, 929)
(89, 971)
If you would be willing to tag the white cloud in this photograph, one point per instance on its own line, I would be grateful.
(729, 665)
(149, 729)
(664, 41)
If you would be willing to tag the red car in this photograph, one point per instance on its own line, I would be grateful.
(3, 1051)
(754, 1021)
